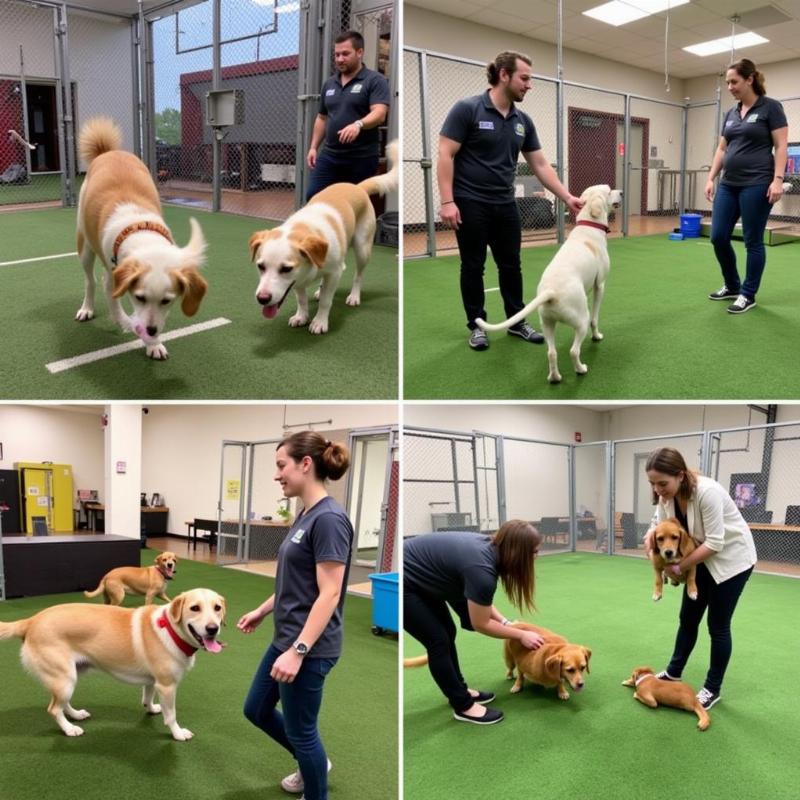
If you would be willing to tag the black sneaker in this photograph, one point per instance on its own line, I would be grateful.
(489, 718)
(708, 698)
(526, 332)
(741, 304)
(723, 294)
(483, 697)
(478, 340)
(665, 676)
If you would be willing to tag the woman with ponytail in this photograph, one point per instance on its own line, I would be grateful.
(751, 156)
(313, 562)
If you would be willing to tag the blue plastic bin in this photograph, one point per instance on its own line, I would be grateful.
(690, 225)
(385, 614)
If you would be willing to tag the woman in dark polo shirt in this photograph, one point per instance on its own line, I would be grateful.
(461, 571)
(752, 181)
(313, 561)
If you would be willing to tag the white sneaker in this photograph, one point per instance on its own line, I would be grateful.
(294, 783)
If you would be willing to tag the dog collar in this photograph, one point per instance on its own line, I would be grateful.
(642, 677)
(184, 647)
(156, 227)
(597, 225)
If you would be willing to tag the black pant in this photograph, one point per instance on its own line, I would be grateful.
(720, 599)
(428, 620)
(498, 226)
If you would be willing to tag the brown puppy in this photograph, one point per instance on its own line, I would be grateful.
(671, 543)
(654, 692)
(149, 581)
(555, 663)
(151, 646)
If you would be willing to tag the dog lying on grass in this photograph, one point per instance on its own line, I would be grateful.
(653, 692)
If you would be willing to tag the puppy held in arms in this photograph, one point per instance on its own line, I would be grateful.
(653, 692)
(313, 244)
(580, 266)
(119, 220)
(671, 543)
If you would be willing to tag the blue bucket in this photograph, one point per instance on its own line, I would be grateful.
(690, 225)
(385, 601)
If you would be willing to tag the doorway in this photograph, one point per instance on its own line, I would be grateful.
(43, 127)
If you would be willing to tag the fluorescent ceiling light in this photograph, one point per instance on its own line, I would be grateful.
(726, 44)
(620, 13)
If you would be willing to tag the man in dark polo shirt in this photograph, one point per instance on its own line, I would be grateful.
(479, 146)
(352, 106)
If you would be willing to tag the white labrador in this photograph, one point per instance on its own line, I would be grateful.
(581, 265)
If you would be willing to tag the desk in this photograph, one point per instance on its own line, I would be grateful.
(266, 536)
(776, 542)
(92, 510)
(154, 520)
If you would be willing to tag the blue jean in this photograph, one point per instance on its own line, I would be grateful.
(296, 729)
(751, 204)
(332, 169)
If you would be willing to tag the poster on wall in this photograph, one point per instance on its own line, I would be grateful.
(232, 488)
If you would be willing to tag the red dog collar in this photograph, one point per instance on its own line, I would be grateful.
(156, 227)
(185, 647)
(597, 225)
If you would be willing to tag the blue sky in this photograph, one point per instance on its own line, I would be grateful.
(239, 18)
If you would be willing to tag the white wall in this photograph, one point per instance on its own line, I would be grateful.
(123, 446)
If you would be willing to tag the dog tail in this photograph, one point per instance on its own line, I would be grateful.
(702, 715)
(11, 629)
(97, 591)
(417, 661)
(98, 136)
(381, 184)
(540, 299)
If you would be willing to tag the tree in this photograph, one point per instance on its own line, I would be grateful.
(168, 125)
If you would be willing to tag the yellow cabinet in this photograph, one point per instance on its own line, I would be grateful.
(46, 494)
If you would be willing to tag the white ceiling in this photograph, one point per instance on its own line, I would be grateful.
(640, 43)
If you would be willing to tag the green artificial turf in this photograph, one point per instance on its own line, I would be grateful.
(602, 744)
(251, 358)
(126, 753)
(41, 188)
(663, 338)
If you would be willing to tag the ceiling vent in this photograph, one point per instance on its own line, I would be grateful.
(761, 18)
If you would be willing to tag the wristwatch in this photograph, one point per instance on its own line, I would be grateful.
(301, 648)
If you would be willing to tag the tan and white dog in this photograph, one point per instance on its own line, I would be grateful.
(581, 265)
(651, 691)
(671, 544)
(149, 581)
(313, 244)
(119, 220)
(152, 646)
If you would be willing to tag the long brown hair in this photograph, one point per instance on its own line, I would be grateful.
(517, 542)
(506, 60)
(745, 67)
(670, 462)
(331, 459)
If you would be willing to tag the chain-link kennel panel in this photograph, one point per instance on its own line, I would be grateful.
(417, 161)
(760, 468)
(388, 558)
(537, 489)
(786, 211)
(440, 483)
(591, 493)
(655, 142)
(268, 512)
(232, 504)
(632, 499)
(30, 154)
(702, 138)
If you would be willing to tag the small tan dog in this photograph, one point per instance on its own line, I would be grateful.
(555, 663)
(654, 692)
(152, 646)
(149, 581)
(671, 543)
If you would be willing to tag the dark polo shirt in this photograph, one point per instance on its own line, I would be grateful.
(486, 164)
(748, 156)
(344, 105)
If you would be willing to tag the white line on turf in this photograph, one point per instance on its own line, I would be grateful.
(494, 289)
(117, 349)
(39, 258)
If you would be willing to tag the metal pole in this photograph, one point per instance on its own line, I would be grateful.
(559, 206)
(684, 156)
(387, 486)
(23, 91)
(243, 550)
(427, 161)
(312, 27)
(66, 139)
(216, 136)
(476, 486)
(611, 458)
(626, 167)
(136, 88)
(454, 459)
(573, 526)
(2, 570)
(501, 480)
(148, 95)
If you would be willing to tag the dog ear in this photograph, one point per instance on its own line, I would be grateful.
(597, 207)
(588, 653)
(685, 543)
(552, 666)
(224, 608)
(124, 275)
(176, 608)
(256, 240)
(315, 249)
(192, 287)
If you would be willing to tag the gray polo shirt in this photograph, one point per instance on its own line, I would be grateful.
(343, 105)
(486, 164)
(323, 533)
(748, 156)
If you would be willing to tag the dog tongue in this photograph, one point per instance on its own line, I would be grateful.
(211, 645)
(270, 311)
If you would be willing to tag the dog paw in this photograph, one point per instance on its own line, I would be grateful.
(515, 689)
(563, 696)
(79, 713)
(73, 730)
(154, 708)
(318, 326)
(317, 293)
(84, 314)
(656, 596)
(581, 369)
(554, 377)
(298, 320)
(597, 337)
(182, 734)
(353, 299)
(157, 352)
(692, 595)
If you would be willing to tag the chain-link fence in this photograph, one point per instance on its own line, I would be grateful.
(591, 467)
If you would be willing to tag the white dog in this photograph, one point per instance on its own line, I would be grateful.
(152, 646)
(580, 265)
(119, 220)
(313, 243)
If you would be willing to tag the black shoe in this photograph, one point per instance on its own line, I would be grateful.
(526, 332)
(489, 718)
(483, 697)
(665, 676)
(741, 304)
(478, 340)
(707, 698)
(723, 294)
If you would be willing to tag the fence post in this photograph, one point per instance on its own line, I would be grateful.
(427, 161)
